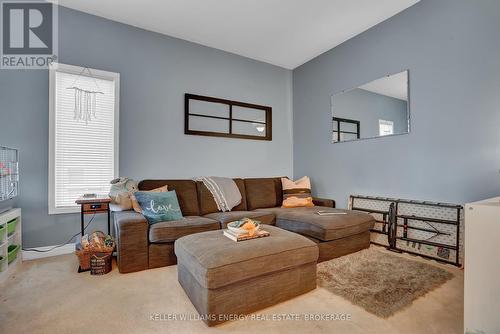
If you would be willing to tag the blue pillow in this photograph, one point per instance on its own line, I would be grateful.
(159, 206)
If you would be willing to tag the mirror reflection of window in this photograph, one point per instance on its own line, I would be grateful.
(385, 128)
(345, 129)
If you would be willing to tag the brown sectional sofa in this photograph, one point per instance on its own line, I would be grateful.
(141, 247)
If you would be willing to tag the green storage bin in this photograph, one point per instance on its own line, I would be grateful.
(2, 260)
(11, 226)
(12, 252)
(3, 228)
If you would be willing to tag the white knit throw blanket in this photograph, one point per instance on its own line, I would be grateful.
(224, 190)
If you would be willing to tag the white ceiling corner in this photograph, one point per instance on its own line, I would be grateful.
(285, 33)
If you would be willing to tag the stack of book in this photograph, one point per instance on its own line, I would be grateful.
(245, 236)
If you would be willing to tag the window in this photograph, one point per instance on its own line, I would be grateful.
(345, 129)
(210, 116)
(385, 127)
(83, 155)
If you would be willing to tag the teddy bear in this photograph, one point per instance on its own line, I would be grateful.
(120, 191)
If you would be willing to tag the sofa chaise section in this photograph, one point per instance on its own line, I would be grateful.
(340, 233)
(306, 221)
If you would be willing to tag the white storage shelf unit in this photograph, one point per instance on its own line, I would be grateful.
(7, 240)
(482, 267)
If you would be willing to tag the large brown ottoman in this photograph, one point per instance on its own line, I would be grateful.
(224, 278)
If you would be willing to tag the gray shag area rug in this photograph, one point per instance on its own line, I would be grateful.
(380, 282)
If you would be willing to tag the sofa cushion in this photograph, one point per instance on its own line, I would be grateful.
(173, 230)
(186, 193)
(135, 204)
(307, 222)
(159, 206)
(207, 203)
(296, 193)
(216, 261)
(263, 193)
(226, 217)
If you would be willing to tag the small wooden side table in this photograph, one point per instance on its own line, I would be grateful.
(93, 205)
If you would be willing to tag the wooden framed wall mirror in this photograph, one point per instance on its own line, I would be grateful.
(215, 117)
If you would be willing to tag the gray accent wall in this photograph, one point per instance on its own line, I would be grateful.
(156, 71)
(452, 49)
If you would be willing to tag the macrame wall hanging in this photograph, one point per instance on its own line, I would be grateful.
(85, 100)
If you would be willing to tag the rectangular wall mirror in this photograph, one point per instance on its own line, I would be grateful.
(378, 108)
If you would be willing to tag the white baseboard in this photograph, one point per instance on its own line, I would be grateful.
(32, 255)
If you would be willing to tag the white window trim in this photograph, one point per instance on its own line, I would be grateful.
(52, 82)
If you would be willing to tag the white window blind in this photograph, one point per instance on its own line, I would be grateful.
(83, 156)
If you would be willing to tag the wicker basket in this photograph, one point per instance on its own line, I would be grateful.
(96, 246)
(83, 257)
(100, 263)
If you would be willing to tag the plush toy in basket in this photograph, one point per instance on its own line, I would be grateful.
(90, 245)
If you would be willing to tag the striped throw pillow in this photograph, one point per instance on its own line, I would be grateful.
(297, 193)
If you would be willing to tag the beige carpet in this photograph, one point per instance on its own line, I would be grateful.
(49, 296)
(380, 282)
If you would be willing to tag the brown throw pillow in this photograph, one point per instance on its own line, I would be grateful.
(297, 194)
(135, 203)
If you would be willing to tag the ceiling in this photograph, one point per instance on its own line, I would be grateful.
(286, 33)
(395, 85)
